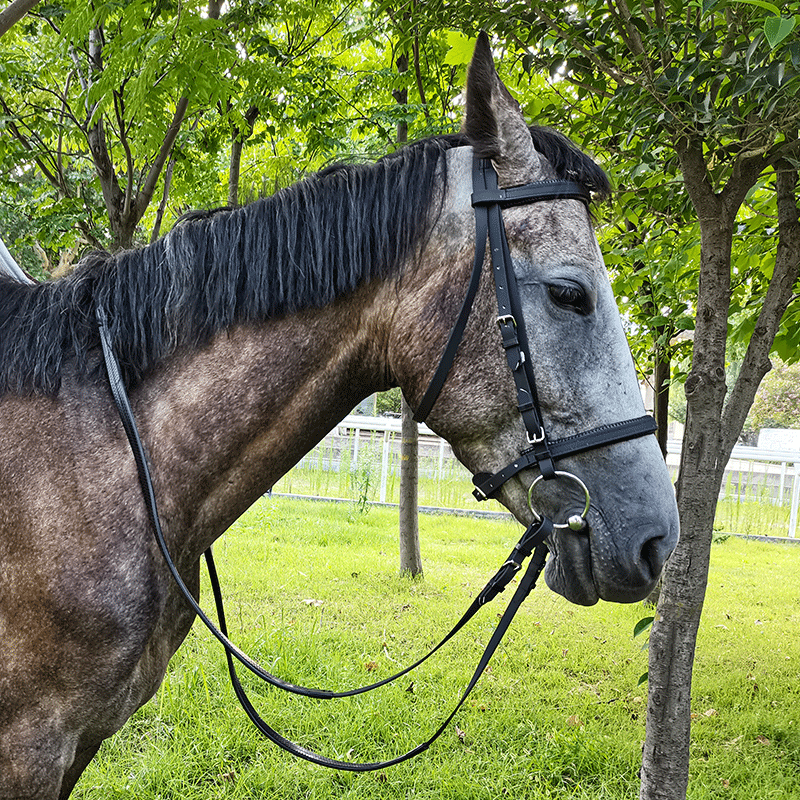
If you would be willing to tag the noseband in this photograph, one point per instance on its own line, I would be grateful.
(488, 201)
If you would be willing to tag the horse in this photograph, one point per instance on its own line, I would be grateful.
(243, 336)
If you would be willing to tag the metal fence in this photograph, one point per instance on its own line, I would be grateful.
(359, 460)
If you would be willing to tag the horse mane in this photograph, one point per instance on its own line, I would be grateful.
(300, 248)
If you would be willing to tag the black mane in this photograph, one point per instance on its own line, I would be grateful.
(300, 248)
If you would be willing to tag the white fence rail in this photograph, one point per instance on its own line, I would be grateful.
(369, 446)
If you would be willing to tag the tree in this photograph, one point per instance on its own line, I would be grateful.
(713, 91)
(410, 555)
(110, 86)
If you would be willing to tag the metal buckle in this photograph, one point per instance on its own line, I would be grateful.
(575, 522)
(538, 438)
(504, 319)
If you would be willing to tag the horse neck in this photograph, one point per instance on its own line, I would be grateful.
(224, 422)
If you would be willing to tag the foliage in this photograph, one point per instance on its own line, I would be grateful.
(777, 404)
(90, 93)
(389, 401)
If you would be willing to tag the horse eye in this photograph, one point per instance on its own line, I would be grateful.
(568, 295)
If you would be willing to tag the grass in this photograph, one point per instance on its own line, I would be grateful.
(313, 592)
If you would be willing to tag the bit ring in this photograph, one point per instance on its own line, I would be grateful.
(575, 522)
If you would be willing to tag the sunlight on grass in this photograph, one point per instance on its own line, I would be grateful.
(313, 592)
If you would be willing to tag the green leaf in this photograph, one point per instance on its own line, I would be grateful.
(762, 4)
(461, 48)
(643, 678)
(776, 29)
(641, 626)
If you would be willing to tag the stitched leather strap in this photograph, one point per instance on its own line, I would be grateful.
(530, 193)
(532, 539)
(486, 484)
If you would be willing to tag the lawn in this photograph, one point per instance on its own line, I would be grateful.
(314, 593)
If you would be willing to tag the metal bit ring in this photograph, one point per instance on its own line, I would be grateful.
(575, 522)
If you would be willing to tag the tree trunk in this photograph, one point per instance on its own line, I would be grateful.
(711, 431)
(162, 206)
(665, 759)
(237, 145)
(233, 173)
(661, 376)
(410, 558)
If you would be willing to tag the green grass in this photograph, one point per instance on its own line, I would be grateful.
(313, 592)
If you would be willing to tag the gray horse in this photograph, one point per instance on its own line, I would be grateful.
(244, 336)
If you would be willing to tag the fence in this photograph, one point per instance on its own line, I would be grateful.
(359, 460)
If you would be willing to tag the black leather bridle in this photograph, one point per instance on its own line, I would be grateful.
(488, 201)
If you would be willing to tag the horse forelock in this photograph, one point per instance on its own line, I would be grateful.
(300, 248)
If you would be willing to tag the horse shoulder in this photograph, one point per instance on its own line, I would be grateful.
(81, 597)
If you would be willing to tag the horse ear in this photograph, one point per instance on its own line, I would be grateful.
(494, 123)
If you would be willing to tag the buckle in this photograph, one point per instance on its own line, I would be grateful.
(537, 438)
(505, 319)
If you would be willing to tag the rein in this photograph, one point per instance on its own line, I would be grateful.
(488, 201)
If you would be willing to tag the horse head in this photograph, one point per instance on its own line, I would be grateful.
(582, 367)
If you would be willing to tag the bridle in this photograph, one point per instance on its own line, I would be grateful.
(488, 201)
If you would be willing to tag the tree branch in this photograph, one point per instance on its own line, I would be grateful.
(603, 66)
(145, 194)
(14, 12)
(778, 296)
(418, 75)
(696, 178)
(53, 175)
(119, 111)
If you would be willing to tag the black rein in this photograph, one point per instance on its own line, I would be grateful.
(488, 201)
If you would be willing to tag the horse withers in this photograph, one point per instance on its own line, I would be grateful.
(243, 337)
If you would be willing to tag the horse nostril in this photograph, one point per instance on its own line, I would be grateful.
(654, 553)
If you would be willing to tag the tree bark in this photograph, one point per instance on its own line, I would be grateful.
(665, 758)
(162, 206)
(661, 376)
(711, 430)
(14, 12)
(410, 557)
(237, 145)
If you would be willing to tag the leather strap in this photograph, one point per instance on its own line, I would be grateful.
(532, 539)
(510, 319)
(489, 200)
(530, 193)
(456, 334)
(526, 584)
(486, 194)
(487, 484)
